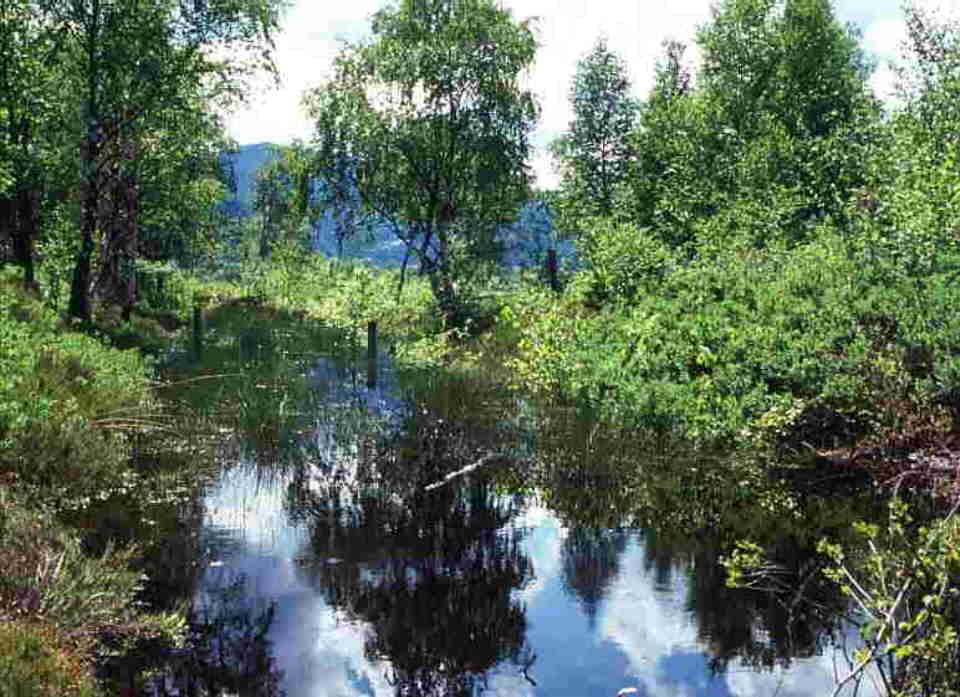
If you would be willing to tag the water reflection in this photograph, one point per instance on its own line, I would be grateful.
(229, 651)
(604, 574)
(431, 574)
(591, 562)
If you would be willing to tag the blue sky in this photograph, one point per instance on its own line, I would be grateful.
(566, 29)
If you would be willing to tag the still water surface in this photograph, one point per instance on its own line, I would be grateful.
(552, 571)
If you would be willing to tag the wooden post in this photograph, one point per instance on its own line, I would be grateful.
(552, 270)
(197, 328)
(371, 354)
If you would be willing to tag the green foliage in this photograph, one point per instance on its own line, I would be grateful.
(60, 393)
(69, 408)
(62, 598)
(902, 579)
(779, 257)
(65, 586)
(427, 125)
(719, 342)
(33, 665)
(930, 79)
(623, 260)
(594, 155)
(276, 195)
(114, 114)
(781, 120)
(793, 61)
(899, 581)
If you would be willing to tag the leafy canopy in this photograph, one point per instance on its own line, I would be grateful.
(594, 154)
(428, 124)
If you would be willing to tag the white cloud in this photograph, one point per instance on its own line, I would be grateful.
(654, 628)
(305, 49)
(566, 30)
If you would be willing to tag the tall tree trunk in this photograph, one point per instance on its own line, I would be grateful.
(445, 294)
(441, 280)
(118, 218)
(7, 222)
(79, 305)
(80, 288)
(24, 234)
(18, 223)
(131, 198)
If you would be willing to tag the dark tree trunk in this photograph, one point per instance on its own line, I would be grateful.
(438, 269)
(118, 218)
(79, 305)
(18, 225)
(445, 294)
(132, 199)
(7, 224)
(25, 233)
(80, 288)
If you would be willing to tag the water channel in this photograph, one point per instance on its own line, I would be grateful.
(335, 556)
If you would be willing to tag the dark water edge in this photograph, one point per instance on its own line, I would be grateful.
(572, 559)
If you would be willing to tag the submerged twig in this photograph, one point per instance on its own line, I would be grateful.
(485, 460)
(196, 378)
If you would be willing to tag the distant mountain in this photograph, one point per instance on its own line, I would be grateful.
(245, 162)
(525, 242)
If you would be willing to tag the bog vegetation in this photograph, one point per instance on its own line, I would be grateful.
(767, 259)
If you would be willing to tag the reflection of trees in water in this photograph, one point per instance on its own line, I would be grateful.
(227, 652)
(692, 508)
(431, 573)
(764, 627)
(591, 561)
(252, 376)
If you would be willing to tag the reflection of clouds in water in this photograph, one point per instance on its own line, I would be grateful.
(252, 511)
(644, 636)
(502, 684)
(659, 637)
(542, 545)
(319, 653)
(324, 656)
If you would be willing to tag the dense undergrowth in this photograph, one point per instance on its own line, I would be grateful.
(80, 427)
(70, 409)
(750, 340)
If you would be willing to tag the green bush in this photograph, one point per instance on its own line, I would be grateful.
(48, 579)
(903, 580)
(723, 340)
(32, 664)
(623, 259)
(61, 395)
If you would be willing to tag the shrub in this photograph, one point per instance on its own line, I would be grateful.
(56, 388)
(722, 340)
(623, 260)
(33, 663)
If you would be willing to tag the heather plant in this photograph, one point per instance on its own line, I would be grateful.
(61, 396)
(57, 600)
(33, 664)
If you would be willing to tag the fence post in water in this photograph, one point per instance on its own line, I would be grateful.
(197, 328)
(371, 354)
(552, 270)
